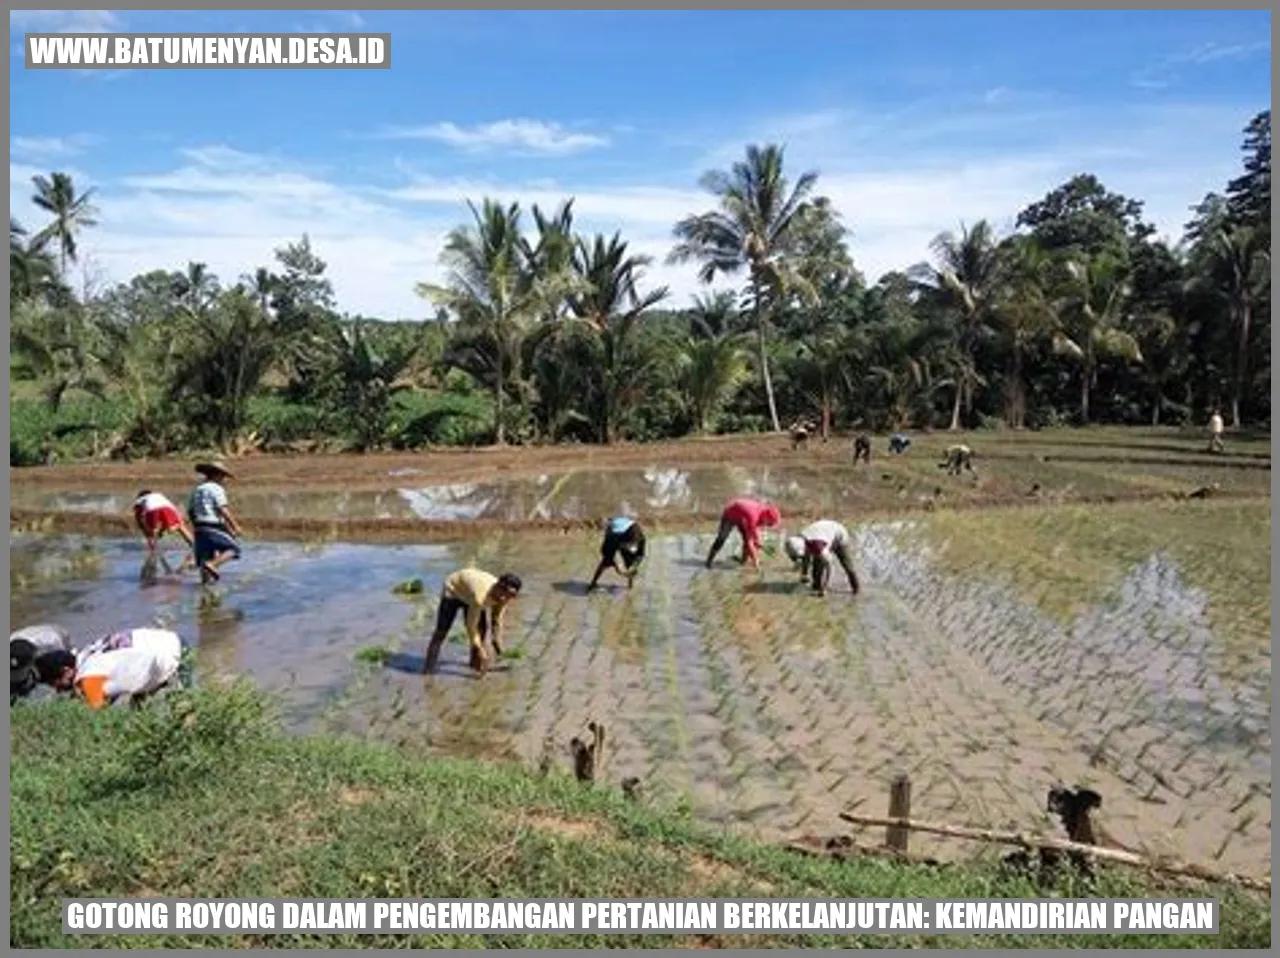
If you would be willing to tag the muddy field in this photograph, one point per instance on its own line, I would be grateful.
(676, 486)
(992, 652)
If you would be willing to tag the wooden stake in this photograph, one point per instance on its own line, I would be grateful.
(895, 836)
(1033, 841)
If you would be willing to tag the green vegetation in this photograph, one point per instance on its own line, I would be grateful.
(545, 335)
(1071, 558)
(199, 795)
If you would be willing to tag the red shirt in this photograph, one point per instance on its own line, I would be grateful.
(749, 515)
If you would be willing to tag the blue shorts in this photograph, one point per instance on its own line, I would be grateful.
(210, 540)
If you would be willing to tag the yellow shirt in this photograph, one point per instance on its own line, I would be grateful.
(472, 587)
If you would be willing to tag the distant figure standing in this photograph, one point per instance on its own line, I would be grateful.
(899, 443)
(480, 595)
(800, 433)
(957, 457)
(216, 530)
(624, 536)
(1216, 428)
(747, 516)
(862, 449)
(155, 515)
(822, 539)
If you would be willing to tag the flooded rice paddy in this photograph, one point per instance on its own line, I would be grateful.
(764, 707)
(406, 493)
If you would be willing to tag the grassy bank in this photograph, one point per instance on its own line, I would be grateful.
(199, 795)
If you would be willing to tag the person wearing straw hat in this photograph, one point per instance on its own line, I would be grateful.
(216, 530)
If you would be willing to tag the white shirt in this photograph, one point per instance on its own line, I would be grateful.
(1215, 424)
(134, 662)
(152, 502)
(206, 499)
(827, 531)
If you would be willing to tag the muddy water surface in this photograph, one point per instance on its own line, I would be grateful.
(568, 495)
(768, 708)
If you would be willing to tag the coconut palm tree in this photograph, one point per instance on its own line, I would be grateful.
(1239, 268)
(196, 288)
(491, 287)
(962, 283)
(760, 214)
(1021, 311)
(33, 274)
(1090, 314)
(71, 213)
(611, 306)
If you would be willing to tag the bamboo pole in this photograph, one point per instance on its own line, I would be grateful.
(1062, 845)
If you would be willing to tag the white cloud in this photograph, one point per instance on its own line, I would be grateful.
(49, 147)
(534, 136)
(1211, 52)
(1167, 71)
(338, 21)
(231, 209)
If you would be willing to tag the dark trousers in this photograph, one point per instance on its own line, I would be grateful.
(722, 536)
(820, 568)
(445, 616)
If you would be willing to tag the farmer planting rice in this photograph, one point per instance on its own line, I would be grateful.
(822, 540)
(957, 457)
(123, 666)
(747, 516)
(216, 529)
(155, 515)
(862, 449)
(624, 536)
(899, 443)
(482, 596)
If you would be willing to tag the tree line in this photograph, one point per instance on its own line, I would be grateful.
(1079, 315)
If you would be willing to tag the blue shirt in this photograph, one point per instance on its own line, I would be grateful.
(206, 501)
(620, 524)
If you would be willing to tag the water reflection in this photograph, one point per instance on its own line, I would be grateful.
(582, 494)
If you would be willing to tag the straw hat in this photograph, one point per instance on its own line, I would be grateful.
(215, 468)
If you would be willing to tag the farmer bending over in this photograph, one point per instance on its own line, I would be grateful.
(25, 646)
(622, 535)
(957, 457)
(794, 548)
(748, 516)
(480, 594)
(822, 539)
(124, 666)
(899, 443)
(216, 529)
(862, 449)
(155, 515)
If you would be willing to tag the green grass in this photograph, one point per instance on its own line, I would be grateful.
(199, 795)
(1070, 558)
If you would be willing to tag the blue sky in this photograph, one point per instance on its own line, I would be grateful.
(915, 121)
